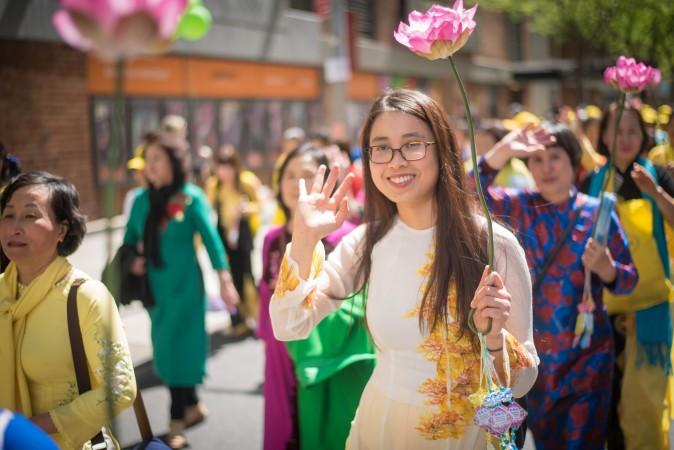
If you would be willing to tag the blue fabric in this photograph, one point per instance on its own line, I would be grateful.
(21, 434)
(571, 390)
(654, 326)
(154, 444)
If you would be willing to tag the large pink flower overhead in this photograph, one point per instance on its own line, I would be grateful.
(630, 76)
(439, 32)
(116, 29)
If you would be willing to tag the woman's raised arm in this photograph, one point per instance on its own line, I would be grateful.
(309, 287)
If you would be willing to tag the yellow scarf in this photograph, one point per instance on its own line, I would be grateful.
(14, 393)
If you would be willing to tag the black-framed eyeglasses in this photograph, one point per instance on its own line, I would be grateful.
(411, 151)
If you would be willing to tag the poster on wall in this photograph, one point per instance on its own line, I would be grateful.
(254, 127)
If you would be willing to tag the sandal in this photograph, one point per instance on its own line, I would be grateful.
(195, 414)
(176, 438)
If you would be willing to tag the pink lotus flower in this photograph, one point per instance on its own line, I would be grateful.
(630, 76)
(438, 33)
(116, 29)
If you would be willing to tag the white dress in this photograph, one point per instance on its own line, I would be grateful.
(417, 397)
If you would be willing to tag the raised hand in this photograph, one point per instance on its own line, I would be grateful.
(644, 180)
(320, 211)
(520, 143)
(528, 140)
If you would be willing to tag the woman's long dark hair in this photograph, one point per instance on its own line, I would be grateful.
(159, 200)
(229, 156)
(610, 114)
(460, 243)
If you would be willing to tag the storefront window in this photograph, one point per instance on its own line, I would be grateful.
(230, 123)
(356, 112)
(101, 110)
(303, 5)
(176, 107)
(277, 123)
(144, 115)
(204, 125)
(255, 145)
(254, 127)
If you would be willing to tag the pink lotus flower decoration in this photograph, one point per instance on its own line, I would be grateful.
(119, 29)
(630, 76)
(438, 33)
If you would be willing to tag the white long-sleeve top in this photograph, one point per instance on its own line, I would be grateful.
(418, 395)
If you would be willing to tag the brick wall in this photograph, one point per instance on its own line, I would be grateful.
(44, 115)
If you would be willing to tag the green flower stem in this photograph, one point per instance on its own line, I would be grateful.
(478, 187)
(611, 155)
(113, 154)
(611, 165)
(110, 199)
(473, 154)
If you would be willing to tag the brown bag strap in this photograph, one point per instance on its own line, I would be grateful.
(82, 372)
(77, 349)
(142, 419)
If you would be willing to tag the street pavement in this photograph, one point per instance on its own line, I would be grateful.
(232, 393)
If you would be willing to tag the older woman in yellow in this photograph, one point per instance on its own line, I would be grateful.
(41, 225)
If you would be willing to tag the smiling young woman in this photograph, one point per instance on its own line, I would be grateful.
(404, 167)
(420, 256)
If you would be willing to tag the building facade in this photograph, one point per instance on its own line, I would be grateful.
(262, 68)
